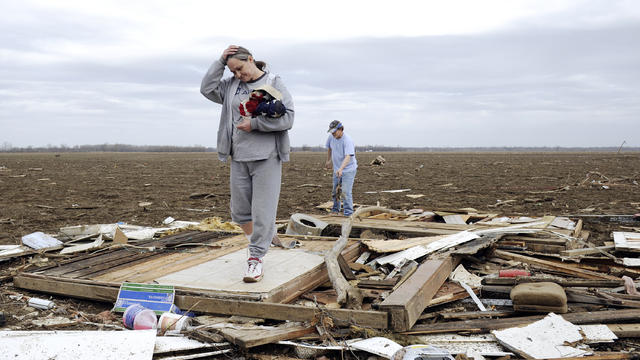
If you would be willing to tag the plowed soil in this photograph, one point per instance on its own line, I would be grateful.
(44, 191)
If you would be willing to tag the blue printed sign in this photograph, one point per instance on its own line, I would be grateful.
(158, 298)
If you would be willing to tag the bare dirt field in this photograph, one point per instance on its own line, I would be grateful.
(43, 192)
(46, 191)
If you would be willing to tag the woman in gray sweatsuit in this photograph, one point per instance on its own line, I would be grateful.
(257, 146)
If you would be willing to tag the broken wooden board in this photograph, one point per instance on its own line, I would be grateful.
(560, 281)
(98, 242)
(626, 241)
(11, 251)
(92, 290)
(418, 251)
(466, 315)
(408, 301)
(550, 265)
(449, 292)
(114, 266)
(416, 228)
(586, 251)
(486, 325)
(224, 274)
(625, 330)
(456, 219)
(248, 337)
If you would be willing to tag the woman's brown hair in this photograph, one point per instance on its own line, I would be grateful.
(243, 54)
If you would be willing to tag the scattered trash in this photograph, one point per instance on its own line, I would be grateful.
(173, 322)
(8, 251)
(131, 232)
(39, 240)
(202, 195)
(513, 273)
(302, 224)
(408, 259)
(119, 237)
(54, 322)
(287, 244)
(137, 317)
(378, 346)
(379, 161)
(41, 303)
(422, 352)
(387, 191)
(98, 242)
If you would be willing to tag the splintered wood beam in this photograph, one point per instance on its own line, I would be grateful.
(586, 251)
(251, 337)
(625, 330)
(346, 270)
(312, 279)
(108, 292)
(409, 300)
(486, 325)
(364, 318)
(81, 289)
(602, 356)
(551, 265)
(560, 281)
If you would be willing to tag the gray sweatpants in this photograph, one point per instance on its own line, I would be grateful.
(255, 190)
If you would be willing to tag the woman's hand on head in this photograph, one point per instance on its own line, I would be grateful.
(232, 49)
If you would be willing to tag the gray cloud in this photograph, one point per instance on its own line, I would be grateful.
(530, 85)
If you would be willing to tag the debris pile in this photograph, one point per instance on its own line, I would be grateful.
(392, 284)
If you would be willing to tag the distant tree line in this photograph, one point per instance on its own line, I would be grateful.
(6, 147)
(108, 148)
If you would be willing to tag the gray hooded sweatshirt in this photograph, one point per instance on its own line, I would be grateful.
(221, 91)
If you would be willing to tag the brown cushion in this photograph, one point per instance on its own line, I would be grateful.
(541, 293)
(541, 308)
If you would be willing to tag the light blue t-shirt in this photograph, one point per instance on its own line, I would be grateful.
(339, 149)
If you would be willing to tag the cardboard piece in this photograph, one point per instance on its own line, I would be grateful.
(119, 237)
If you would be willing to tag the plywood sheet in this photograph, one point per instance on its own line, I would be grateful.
(225, 273)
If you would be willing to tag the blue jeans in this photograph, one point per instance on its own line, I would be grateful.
(347, 197)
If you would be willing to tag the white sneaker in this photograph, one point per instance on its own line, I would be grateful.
(254, 270)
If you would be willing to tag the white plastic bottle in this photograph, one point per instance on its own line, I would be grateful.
(138, 317)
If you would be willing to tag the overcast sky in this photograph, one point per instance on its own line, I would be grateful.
(398, 73)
